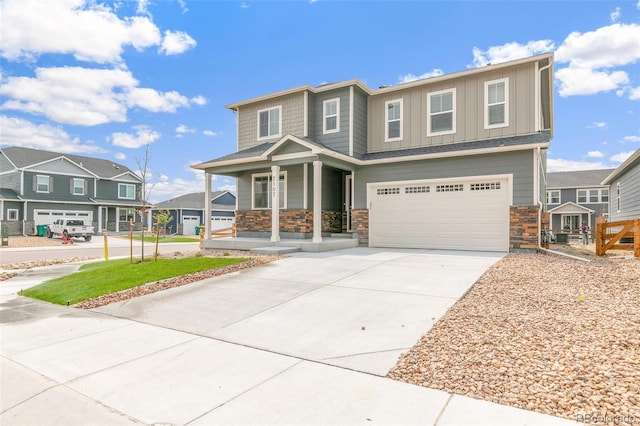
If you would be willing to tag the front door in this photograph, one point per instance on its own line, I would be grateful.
(570, 222)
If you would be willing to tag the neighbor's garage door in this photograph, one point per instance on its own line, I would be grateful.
(457, 215)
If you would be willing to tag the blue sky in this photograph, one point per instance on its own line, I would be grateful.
(104, 78)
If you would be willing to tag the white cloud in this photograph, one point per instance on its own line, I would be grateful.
(85, 29)
(615, 15)
(595, 154)
(592, 55)
(620, 157)
(143, 7)
(634, 94)
(199, 100)
(510, 51)
(631, 139)
(597, 125)
(561, 165)
(24, 133)
(120, 156)
(411, 77)
(84, 96)
(142, 136)
(176, 42)
(211, 133)
(184, 129)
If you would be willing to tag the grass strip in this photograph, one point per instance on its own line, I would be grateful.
(99, 278)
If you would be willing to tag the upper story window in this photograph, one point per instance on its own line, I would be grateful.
(331, 114)
(269, 122)
(261, 190)
(553, 197)
(393, 121)
(593, 195)
(441, 108)
(77, 186)
(43, 184)
(496, 95)
(127, 191)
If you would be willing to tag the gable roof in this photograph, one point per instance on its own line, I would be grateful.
(577, 179)
(623, 168)
(195, 201)
(23, 158)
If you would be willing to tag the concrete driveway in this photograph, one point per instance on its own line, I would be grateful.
(304, 340)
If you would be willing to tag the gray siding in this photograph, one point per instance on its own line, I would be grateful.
(59, 188)
(359, 123)
(292, 120)
(10, 180)
(227, 199)
(108, 189)
(630, 195)
(469, 110)
(518, 163)
(294, 187)
(338, 141)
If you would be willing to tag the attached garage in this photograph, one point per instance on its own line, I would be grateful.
(222, 222)
(47, 217)
(455, 214)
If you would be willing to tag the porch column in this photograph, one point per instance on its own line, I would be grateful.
(117, 219)
(100, 228)
(207, 206)
(317, 201)
(275, 203)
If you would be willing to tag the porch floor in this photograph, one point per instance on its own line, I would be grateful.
(240, 243)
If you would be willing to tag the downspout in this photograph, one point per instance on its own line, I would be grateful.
(538, 124)
(540, 203)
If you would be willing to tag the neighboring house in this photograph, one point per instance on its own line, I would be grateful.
(575, 197)
(455, 161)
(37, 187)
(187, 211)
(624, 202)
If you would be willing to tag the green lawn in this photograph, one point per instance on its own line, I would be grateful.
(98, 278)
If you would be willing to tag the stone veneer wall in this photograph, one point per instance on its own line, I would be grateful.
(360, 224)
(523, 228)
(292, 220)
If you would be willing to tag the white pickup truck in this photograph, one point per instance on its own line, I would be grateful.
(70, 228)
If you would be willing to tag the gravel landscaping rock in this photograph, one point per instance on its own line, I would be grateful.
(544, 333)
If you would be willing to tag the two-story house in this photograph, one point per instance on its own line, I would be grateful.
(455, 161)
(575, 197)
(37, 187)
(624, 182)
(188, 211)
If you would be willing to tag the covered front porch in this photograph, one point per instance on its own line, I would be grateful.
(291, 193)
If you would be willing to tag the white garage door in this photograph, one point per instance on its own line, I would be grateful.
(189, 224)
(47, 217)
(469, 214)
(221, 222)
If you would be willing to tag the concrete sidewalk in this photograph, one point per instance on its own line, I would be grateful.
(304, 340)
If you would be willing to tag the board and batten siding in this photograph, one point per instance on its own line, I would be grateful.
(292, 120)
(469, 110)
(359, 122)
(630, 195)
(519, 164)
(338, 141)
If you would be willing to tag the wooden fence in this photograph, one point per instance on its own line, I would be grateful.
(609, 234)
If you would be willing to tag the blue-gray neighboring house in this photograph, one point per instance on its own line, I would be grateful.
(624, 202)
(37, 187)
(188, 211)
(455, 161)
(577, 196)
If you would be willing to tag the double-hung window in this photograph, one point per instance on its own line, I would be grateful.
(126, 191)
(593, 195)
(269, 122)
(77, 186)
(43, 184)
(261, 188)
(553, 197)
(441, 108)
(496, 96)
(393, 120)
(331, 114)
(12, 214)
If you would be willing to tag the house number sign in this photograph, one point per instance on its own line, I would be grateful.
(274, 188)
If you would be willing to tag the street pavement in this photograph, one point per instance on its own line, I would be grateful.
(306, 340)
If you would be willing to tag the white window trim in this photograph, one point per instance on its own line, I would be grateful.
(127, 198)
(253, 198)
(269, 136)
(588, 196)
(48, 184)
(506, 103)
(549, 196)
(325, 116)
(76, 180)
(618, 198)
(386, 120)
(453, 118)
(16, 211)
